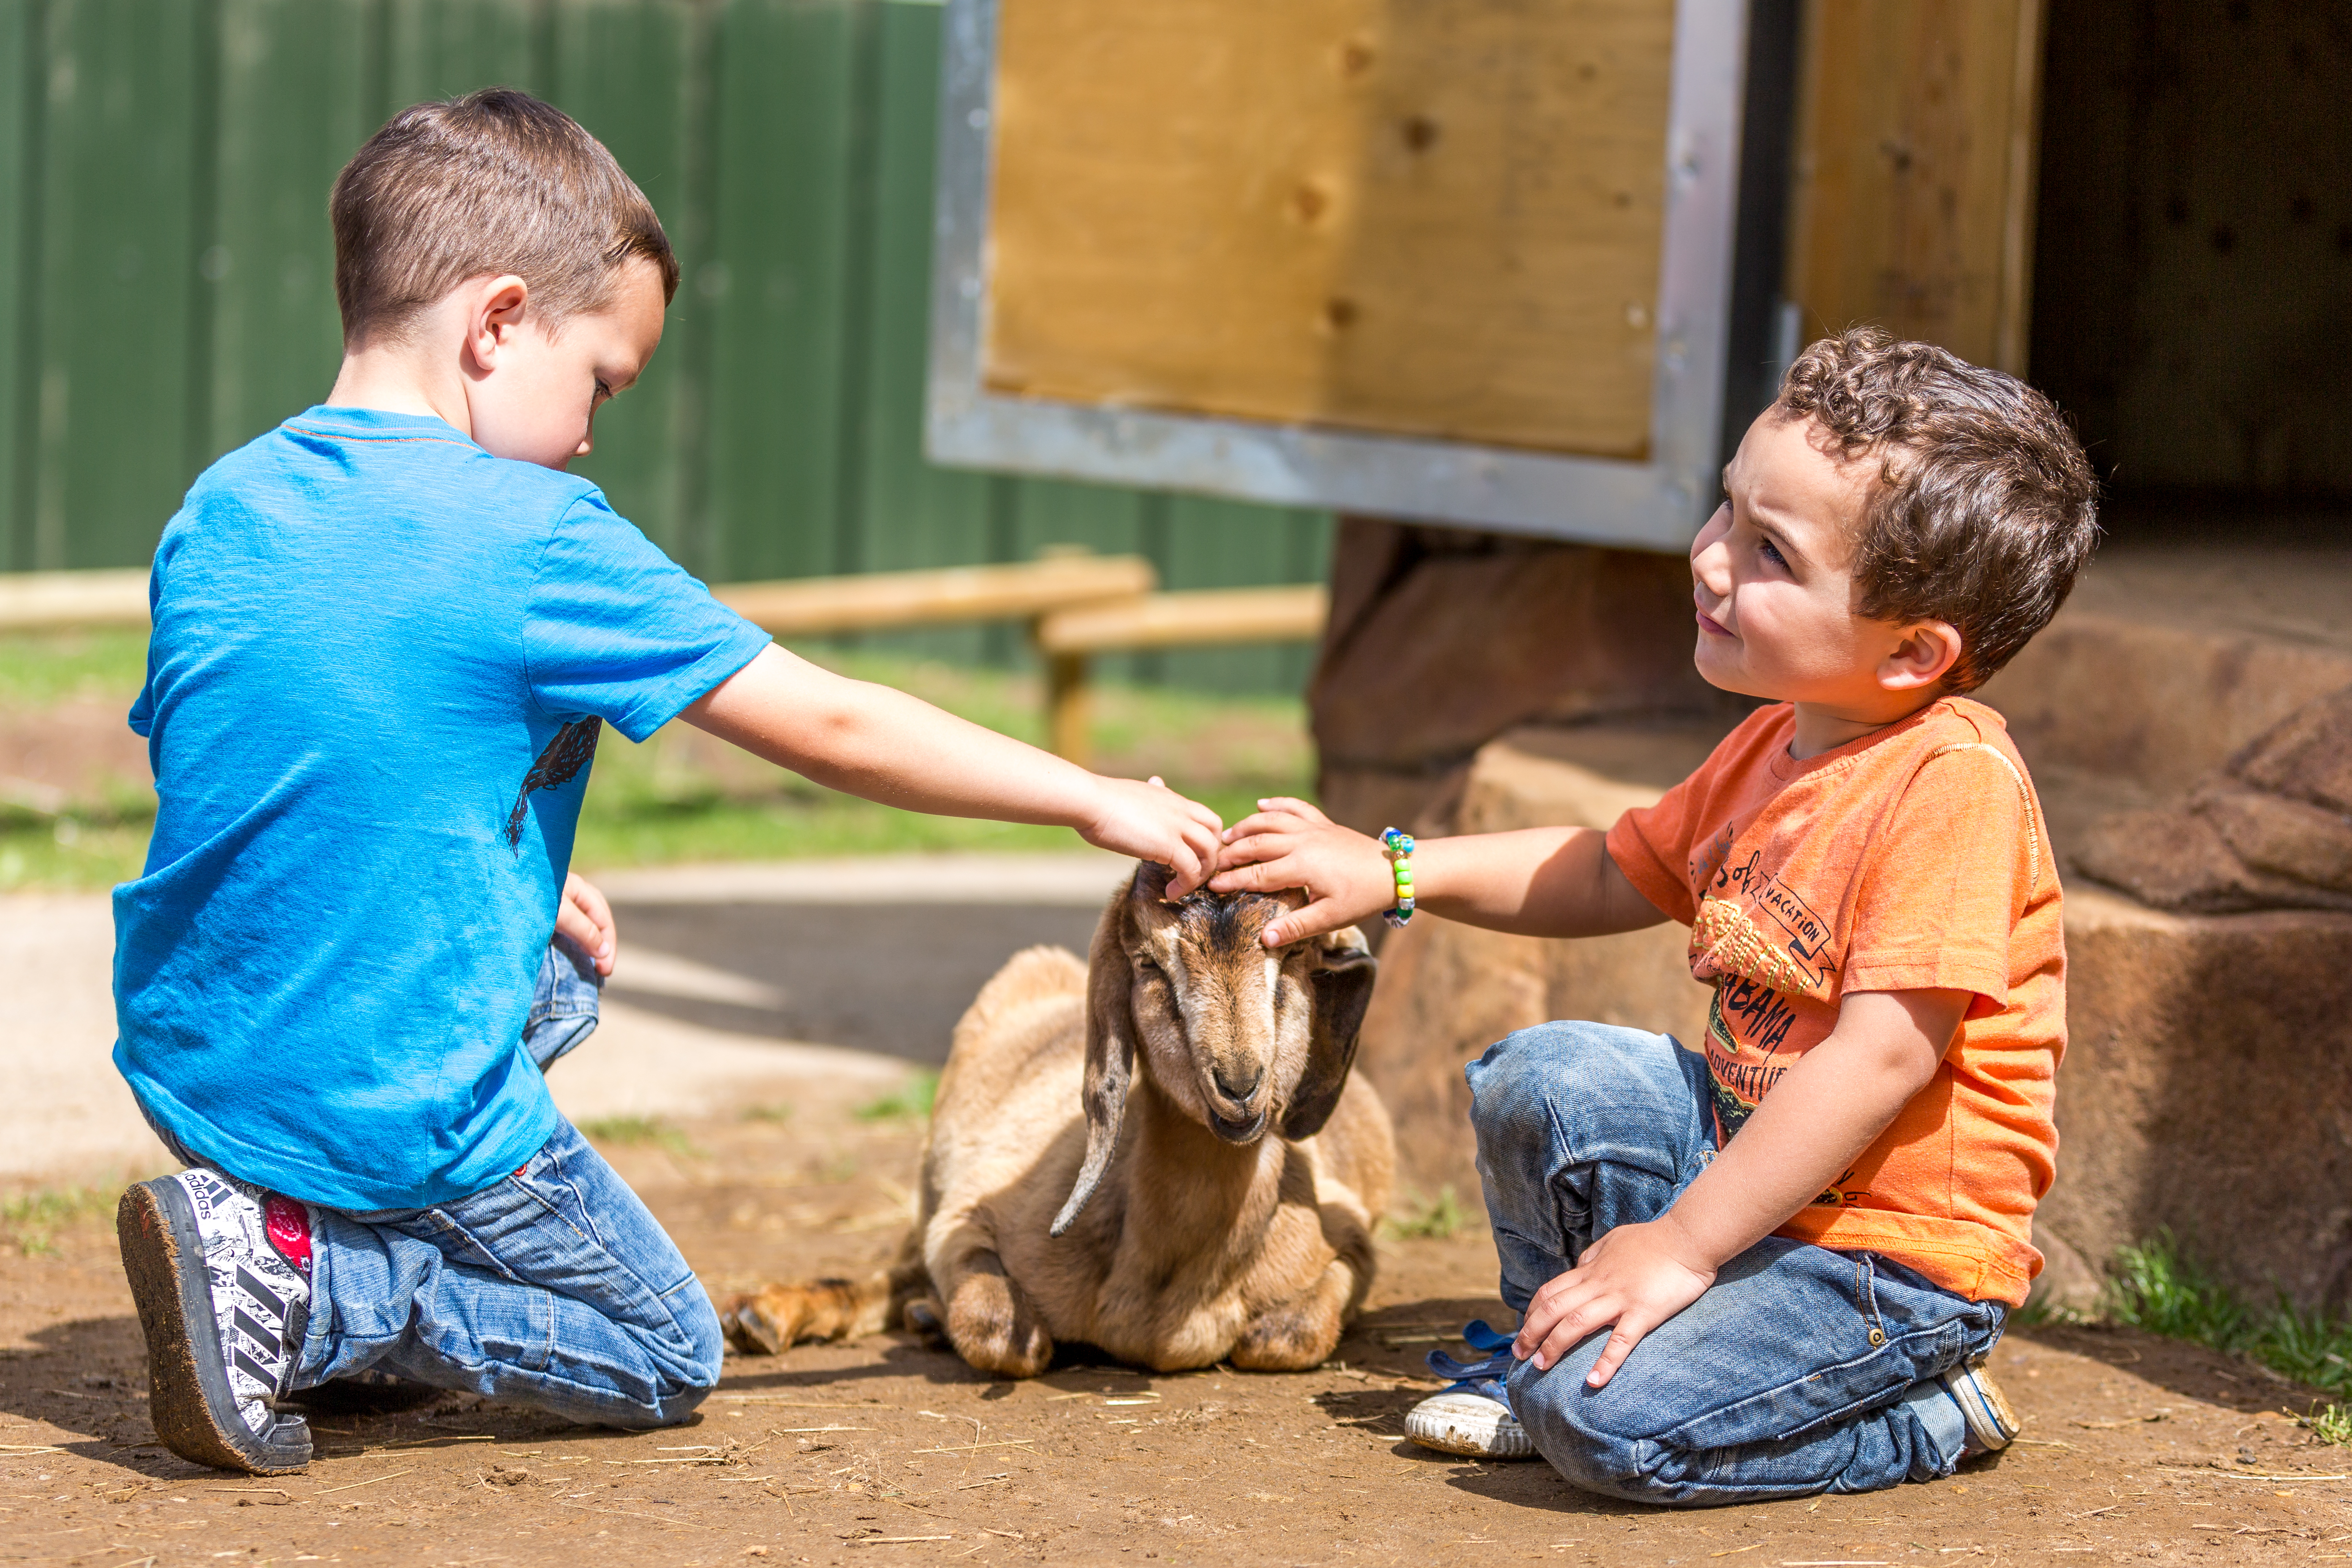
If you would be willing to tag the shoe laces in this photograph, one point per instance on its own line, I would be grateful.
(1484, 1375)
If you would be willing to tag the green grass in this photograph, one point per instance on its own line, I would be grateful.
(628, 1132)
(44, 669)
(682, 796)
(1429, 1219)
(2159, 1288)
(910, 1101)
(29, 1222)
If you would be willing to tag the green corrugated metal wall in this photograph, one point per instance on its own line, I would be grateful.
(166, 290)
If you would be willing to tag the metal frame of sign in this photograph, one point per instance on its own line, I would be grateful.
(1654, 504)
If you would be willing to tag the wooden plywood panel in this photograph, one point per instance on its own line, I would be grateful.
(1916, 155)
(1425, 218)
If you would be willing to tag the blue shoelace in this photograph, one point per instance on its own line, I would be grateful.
(1484, 1375)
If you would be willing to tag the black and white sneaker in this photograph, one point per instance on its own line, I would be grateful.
(222, 1275)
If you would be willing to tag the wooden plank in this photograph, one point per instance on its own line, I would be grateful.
(1915, 157)
(1289, 613)
(825, 607)
(46, 601)
(1430, 220)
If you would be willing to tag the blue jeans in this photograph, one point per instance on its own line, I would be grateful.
(555, 1288)
(1799, 1371)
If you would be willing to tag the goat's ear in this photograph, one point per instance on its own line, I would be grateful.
(1111, 1044)
(1343, 979)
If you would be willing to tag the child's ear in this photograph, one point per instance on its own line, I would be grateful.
(1926, 651)
(496, 310)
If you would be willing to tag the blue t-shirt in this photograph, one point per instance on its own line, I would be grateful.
(380, 660)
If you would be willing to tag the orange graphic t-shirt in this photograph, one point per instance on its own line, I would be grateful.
(1913, 858)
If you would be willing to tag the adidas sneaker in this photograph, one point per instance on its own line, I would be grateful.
(221, 1272)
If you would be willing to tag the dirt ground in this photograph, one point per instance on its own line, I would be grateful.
(885, 1451)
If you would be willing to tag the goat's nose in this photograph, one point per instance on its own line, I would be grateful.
(1234, 1087)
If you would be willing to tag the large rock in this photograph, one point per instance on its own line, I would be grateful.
(1447, 991)
(1440, 639)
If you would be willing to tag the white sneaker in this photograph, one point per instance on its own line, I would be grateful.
(1461, 1421)
(1473, 1417)
(222, 1276)
(1991, 1420)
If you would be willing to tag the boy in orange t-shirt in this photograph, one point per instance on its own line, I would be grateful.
(1814, 1226)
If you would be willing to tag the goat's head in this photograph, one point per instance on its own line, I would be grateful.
(1239, 1035)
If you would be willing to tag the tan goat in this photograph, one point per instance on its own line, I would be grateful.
(1219, 1203)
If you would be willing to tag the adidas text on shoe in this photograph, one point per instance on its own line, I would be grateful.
(1992, 1423)
(221, 1275)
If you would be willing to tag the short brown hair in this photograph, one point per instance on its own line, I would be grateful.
(1985, 507)
(494, 182)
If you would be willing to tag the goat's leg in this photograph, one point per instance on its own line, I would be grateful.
(775, 1317)
(991, 1320)
(1302, 1332)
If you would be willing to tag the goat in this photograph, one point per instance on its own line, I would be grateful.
(1220, 1201)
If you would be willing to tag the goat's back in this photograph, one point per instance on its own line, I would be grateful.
(1007, 1127)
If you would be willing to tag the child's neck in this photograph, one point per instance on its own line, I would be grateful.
(404, 378)
(1824, 727)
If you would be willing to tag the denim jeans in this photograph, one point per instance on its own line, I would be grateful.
(553, 1287)
(1801, 1370)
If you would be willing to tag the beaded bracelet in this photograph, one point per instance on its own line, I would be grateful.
(1398, 848)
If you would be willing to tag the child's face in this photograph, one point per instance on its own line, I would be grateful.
(536, 400)
(1772, 576)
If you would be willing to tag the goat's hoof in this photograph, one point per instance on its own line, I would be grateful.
(749, 1329)
(922, 1317)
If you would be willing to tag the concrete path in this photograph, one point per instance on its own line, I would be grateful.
(797, 981)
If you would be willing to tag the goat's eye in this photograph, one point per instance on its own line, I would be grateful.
(1146, 969)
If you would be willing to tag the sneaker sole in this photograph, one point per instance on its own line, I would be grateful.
(1475, 1437)
(165, 1261)
(1992, 1423)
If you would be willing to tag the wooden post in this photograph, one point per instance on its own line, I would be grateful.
(1068, 712)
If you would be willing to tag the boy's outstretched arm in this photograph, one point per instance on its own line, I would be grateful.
(1538, 881)
(870, 741)
(1827, 1108)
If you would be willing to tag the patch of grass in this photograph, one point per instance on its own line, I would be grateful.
(1429, 1219)
(910, 1101)
(40, 669)
(29, 1222)
(2157, 1286)
(683, 797)
(625, 1131)
(774, 1114)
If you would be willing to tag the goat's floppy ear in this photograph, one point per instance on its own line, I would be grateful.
(1343, 989)
(1110, 1042)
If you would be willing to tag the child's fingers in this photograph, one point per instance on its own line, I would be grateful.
(1262, 822)
(572, 921)
(1190, 871)
(1294, 806)
(1631, 1329)
(1322, 915)
(1268, 871)
(1250, 851)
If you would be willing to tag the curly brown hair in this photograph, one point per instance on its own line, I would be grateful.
(1985, 507)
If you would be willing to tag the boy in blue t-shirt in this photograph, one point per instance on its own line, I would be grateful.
(387, 635)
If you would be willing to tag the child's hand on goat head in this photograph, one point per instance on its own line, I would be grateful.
(1636, 1277)
(1151, 822)
(1289, 844)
